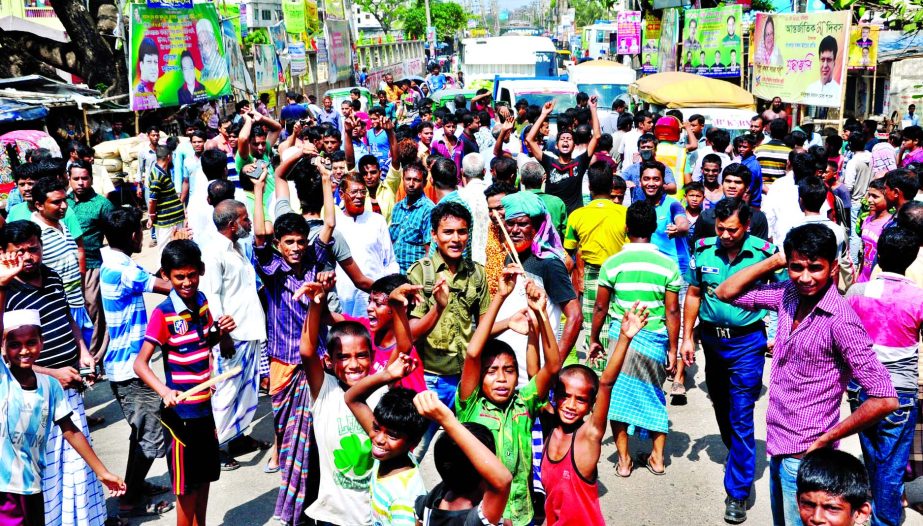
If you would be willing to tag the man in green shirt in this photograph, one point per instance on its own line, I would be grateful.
(443, 350)
(91, 210)
(532, 176)
(164, 209)
(26, 175)
(734, 341)
(254, 144)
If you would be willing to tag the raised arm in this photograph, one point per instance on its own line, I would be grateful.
(534, 147)
(399, 300)
(273, 128)
(741, 280)
(310, 336)
(261, 228)
(632, 322)
(597, 132)
(243, 138)
(357, 395)
(537, 300)
(291, 140)
(348, 124)
(471, 371)
(505, 130)
(497, 478)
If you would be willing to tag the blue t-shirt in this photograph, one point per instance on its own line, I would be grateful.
(633, 174)
(293, 112)
(756, 184)
(667, 211)
(380, 147)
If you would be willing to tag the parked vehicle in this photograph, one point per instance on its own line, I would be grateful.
(508, 56)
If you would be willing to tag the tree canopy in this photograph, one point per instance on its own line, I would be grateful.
(385, 11)
(448, 18)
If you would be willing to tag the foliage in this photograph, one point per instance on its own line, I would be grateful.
(902, 15)
(385, 11)
(587, 11)
(448, 17)
(257, 35)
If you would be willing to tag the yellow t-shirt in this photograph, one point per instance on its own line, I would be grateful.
(598, 229)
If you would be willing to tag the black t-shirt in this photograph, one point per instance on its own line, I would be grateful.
(551, 275)
(705, 226)
(426, 509)
(565, 180)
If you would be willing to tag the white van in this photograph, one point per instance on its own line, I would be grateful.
(605, 79)
(508, 56)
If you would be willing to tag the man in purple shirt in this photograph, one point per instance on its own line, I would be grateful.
(820, 345)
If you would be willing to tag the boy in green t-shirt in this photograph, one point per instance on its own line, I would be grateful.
(487, 392)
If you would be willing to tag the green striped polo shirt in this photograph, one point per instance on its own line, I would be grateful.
(640, 273)
(169, 208)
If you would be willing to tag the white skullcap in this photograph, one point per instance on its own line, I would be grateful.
(15, 319)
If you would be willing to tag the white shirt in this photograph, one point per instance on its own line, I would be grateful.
(229, 283)
(473, 194)
(199, 213)
(629, 148)
(781, 207)
(850, 175)
(370, 244)
(838, 231)
(818, 94)
(102, 183)
(706, 150)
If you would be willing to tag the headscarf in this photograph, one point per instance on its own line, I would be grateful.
(547, 242)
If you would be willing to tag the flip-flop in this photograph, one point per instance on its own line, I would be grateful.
(151, 509)
(154, 489)
(227, 462)
(647, 464)
(618, 469)
(267, 469)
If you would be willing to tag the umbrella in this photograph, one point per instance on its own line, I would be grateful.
(677, 89)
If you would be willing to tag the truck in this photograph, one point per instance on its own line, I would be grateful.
(510, 56)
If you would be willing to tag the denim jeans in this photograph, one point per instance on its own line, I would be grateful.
(445, 387)
(886, 449)
(783, 490)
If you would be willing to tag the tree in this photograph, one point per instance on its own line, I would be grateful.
(448, 18)
(89, 54)
(385, 11)
(587, 11)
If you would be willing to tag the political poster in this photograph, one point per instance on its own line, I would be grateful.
(240, 76)
(231, 13)
(169, 4)
(298, 58)
(863, 47)
(801, 57)
(264, 66)
(278, 37)
(712, 45)
(650, 35)
(293, 16)
(669, 36)
(176, 56)
(312, 19)
(339, 50)
(628, 41)
(335, 9)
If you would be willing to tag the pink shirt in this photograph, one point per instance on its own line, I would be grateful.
(380, 357)
(891, 309)
(915, 156)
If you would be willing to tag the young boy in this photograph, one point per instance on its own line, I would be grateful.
(30, 404)
(184, 330)
(695, 198)
(619, 188)
(832, 489)
(475, 484)
(487, 392)
(571, 481)
(344, 453)
(395, 428)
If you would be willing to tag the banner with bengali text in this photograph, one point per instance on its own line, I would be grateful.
(629, 33)
(669, 36)
(712, 45)
(177, 56)
(863, 47)
(801, 57)
(651, 44)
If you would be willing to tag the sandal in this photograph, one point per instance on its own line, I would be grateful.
(150, 509)
(618, 469)
(647, 464)
(227, 462)
(678, 394)
(268, 469)
(154, 489)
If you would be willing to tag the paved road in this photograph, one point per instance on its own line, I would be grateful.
(691, 492)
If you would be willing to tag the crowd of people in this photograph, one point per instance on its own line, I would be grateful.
(514, 277)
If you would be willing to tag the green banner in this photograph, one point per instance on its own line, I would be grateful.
(712, 45)
(177, 57)
(293, 15)
(650, 44)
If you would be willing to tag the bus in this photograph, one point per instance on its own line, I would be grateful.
(508, 56)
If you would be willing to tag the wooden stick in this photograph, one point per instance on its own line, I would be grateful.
(511, 248)
(208, 383)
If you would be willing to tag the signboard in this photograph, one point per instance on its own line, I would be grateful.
(312, 22)
(169, 4)
(905, 88)
(293, 16)
(335, 9)
(669, 36)
(244, 31)
(338, 50)
(264, 66)
(298, 58)
(628, 41)
(277, 35)
(863, 47)
(712, 45)
(650, 44)
(801, 57)
(240, 76)
(176, 56)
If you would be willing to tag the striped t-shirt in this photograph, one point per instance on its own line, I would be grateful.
(163, 191)
(772, 156)
(122, 286)
(184, 336)
(393, 497)
(640, 272)
(59, 253)
(59, 348)
(27, 417)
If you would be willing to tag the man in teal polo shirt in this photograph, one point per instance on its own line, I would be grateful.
(734, 341)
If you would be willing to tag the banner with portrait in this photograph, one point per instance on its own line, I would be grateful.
(712, 45)
(298, 58)
(339, 50)
(264, 66)
(863, 47)
(801, 57)
(669, 36)
(176, 57)
(628, 39)
(650, 37)
(237, 67)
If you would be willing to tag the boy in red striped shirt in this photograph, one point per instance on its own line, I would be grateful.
(185, 331)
